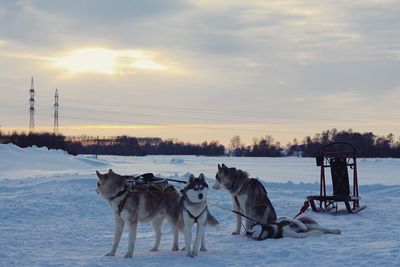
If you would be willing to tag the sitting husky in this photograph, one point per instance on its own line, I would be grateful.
(132, 205)
(248, 195)
(284, 227)
(194, 209)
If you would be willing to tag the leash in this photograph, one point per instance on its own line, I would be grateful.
(176, 181)
(236, 212)
(303, 209)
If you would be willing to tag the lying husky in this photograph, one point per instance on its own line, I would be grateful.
(284, 227)
(248, 195)
(194, 209)
(131, 206)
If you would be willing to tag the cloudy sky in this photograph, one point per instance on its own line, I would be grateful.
(202, 69)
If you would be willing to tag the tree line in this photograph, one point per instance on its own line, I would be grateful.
(120, 145)
(367, 145)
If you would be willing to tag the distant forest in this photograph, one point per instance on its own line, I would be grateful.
(367, 145)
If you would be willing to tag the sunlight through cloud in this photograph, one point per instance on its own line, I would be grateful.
(108, 61)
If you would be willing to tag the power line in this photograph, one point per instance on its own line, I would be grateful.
(246, 117)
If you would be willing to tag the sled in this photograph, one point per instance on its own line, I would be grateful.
(339, 157)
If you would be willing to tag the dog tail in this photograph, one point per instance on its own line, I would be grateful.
(311, 224)
(331, 231)
(212, 221)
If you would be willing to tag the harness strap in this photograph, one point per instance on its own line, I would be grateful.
(269, 230)
(122, 204)
(120, 193)
(248, 180)
(280, 226)
(123, 201)
(195, 218)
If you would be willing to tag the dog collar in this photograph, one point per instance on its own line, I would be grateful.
(120, 193)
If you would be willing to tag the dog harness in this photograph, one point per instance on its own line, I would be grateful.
(195, 218)
(120, 193)
(121, 204)
(271, 231)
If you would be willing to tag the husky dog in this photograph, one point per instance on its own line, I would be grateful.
(132, 205)
(193, 208)
(284, 227)
(249, 197)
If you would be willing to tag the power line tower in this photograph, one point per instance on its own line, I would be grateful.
(56, 112)
(32, 108)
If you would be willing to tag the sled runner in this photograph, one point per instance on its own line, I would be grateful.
(339, 157)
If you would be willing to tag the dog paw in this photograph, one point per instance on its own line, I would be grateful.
(128, 255)
(111, 253)
(193, 254)
(203, 249)
(188, 254)
(175, 248)
(154, 249)
(183, 249)
(236, 233)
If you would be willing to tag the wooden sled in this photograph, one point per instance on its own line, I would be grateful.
(338, 156)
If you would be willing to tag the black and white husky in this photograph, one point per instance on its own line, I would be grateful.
(194, 210)
(285, 227)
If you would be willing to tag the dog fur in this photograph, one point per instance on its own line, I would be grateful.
(194, 210)
(132, 206)
(284, 227)
(249, 197)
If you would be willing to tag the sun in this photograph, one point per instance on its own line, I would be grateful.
(108, 61)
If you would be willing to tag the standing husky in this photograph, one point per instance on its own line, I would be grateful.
(284, 227)
(194, 209)
(131, 206)
(248, 195)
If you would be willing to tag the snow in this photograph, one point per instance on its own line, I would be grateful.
(50, 214)
(33, 161)
(177, 161)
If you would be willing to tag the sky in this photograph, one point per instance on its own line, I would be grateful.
(201, 70)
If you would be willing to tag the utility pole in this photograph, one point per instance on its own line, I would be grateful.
(56, 112)
(32, 108)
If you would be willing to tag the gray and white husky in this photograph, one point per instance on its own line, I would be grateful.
(284, 227)
(249, 197)
(131, 206)
(194, 210)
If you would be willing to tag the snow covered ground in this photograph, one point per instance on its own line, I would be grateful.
(50, 214)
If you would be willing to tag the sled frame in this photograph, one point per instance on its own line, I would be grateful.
(339, 157)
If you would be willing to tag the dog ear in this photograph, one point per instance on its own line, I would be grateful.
(219, 167)
(110, 171)
(201, 177)
(191, 178)
(99, 175)
(224, 166)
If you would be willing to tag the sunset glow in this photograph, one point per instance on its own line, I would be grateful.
(200, 70)
(107, 61)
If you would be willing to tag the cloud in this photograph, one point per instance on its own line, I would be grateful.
(265, 56)
(341, 99)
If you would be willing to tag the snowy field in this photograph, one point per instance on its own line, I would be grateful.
(50, 214)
